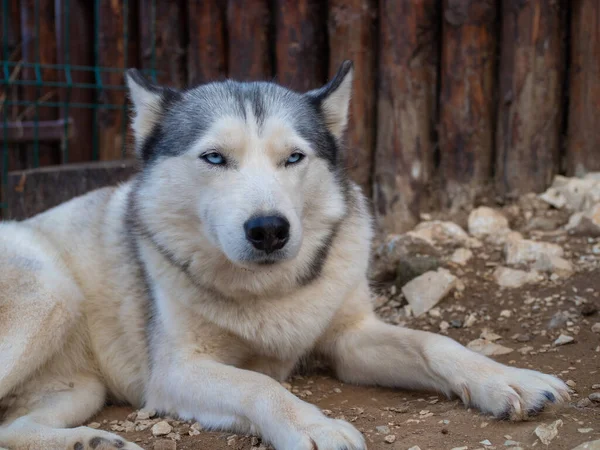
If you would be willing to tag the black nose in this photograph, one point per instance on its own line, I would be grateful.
(267, 233)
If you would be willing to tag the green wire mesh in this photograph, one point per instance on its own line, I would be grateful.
(65, 107)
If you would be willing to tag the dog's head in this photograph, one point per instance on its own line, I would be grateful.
(251, 168)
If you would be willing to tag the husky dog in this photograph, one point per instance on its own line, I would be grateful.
(194, 288)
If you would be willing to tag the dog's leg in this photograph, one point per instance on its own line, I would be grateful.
(53, 403)
(365, 350)
(206, 389)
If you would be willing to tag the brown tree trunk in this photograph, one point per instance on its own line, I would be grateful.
(114, 52)
(467, 104)
(39, 46)
(531, 101)
(249, 25)
(162, 34)
(77, 42)
(207, 51)
(406, 110)
(352, 35)
(583, 147)
(301, 43)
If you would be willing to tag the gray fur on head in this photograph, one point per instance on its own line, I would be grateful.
(168, 121)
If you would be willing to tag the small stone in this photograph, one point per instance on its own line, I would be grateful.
(488, 348)
(596, 327)
(571, 383)
(486, 442)
(440, 232)
(489, 335)
(523, 338)
(444, 326)
(94, 425)
(460, 448)
(161, 428)
(435, 313)
(461, 256)
(595, 397)
(425, 291)
(584, 403)
(558, 320)
(554, 265)
(470, 321)
(520, 251)
(589, 309)
(585, 430)
(145, 414)
(595, 386)
(456, 323)
(165, 444)
(415, 447)
(390, 439)
(383, 429)
(592, 445)
(585, 223)
(488, 224)
(506, 313)
(563, 339)
(513, 278)
(511, 443)
(546, 433)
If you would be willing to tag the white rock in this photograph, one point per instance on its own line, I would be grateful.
(484, 222)
(441, 232)
(546, 433)
(506, 313)
(596, 327)
(585, 430)
(563, 339)
(569, 193)
(488, 348)
(461, 256)
(585, 223)
(554, 265)
(592, 445)
(425, 291)
(145, 414)
(513, 278)
(489, 335)
(390, 439)
(486, 442)
(519, 251)
(161, 428)
(415, 447)
(383, 429)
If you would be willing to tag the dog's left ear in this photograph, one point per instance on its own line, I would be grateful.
(149, 101)
(334, 99)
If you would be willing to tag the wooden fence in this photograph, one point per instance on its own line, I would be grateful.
(453, 99)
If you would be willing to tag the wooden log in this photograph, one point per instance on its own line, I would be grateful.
(114, 52)
(31, 192)
(207, 49)
(530, 106)
(467, 107)
(13, 92)
(78, 44)
(162, 22)
(39, 46)
(249, 31)
(408, 59)
(583, 145)
(352, 35)
(301, 43)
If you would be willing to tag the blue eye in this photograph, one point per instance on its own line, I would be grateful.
(294, 158)
(214, 158)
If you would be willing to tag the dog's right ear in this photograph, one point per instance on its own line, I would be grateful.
(149, 101)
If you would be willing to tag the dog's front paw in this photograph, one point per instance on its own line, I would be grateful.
(515, 394)
(314, 431)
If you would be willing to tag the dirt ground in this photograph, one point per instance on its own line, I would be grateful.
(528, 319)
